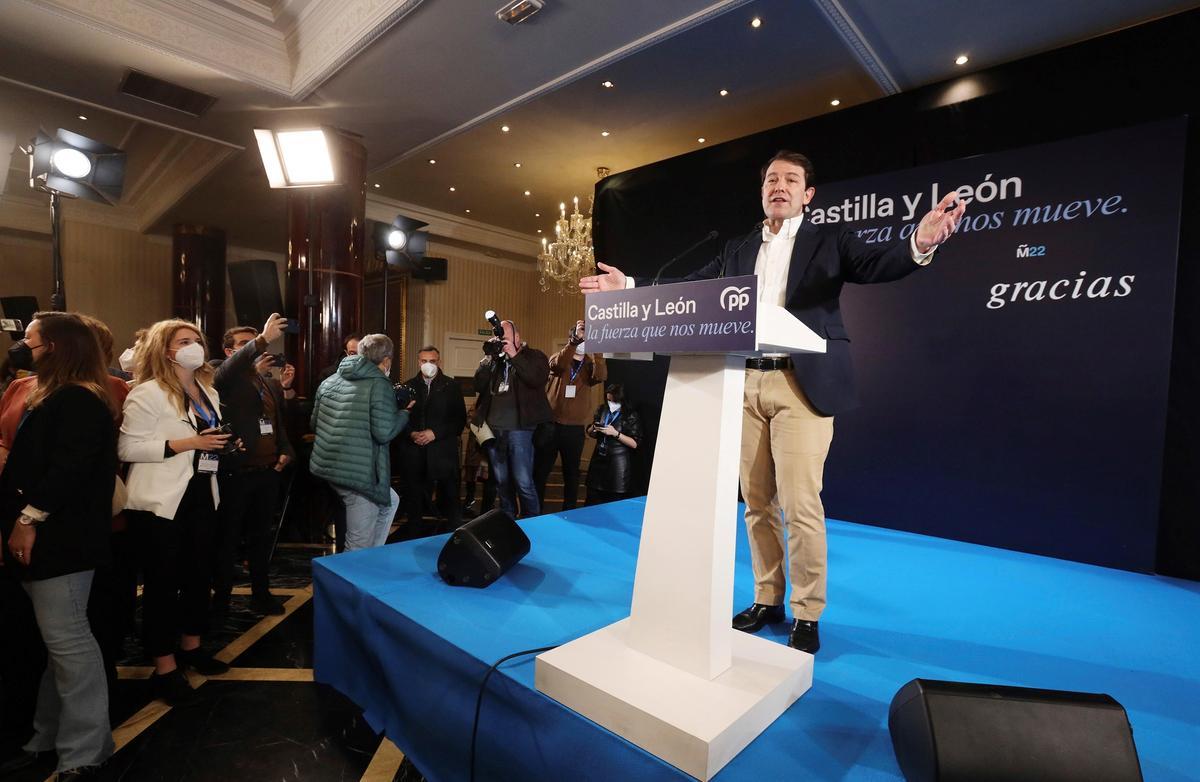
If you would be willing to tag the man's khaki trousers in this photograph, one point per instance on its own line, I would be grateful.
(784, 445)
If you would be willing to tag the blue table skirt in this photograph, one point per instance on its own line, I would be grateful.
(412, 651)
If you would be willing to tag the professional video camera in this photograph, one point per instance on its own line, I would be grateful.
(404, 394)
(494, 347)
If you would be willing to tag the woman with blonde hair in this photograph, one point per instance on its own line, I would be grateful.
(56, 495)
(171, 438)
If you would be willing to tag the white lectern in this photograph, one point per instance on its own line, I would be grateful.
(674, 678)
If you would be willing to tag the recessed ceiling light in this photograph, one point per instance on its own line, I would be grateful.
(756, 22)
(537, 214)
(432, 161)
(961, 59)
(452, 190)
(83, 117)
(723, 93)
(516, 165)
(504, 128)
(701, 139)
(468, 211)
(526, 192)
(606, 84)
(835, 102)
(604, 133)
(539, 230)
(376, 184)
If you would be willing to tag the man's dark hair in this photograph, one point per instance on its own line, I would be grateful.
(430, 349)
(795, 158)
(356, 337)
(228, 340)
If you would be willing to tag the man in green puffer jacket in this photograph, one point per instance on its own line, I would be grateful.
(355, 417)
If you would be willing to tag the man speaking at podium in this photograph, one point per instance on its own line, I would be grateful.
(791, 400)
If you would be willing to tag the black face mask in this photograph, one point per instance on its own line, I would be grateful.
(20, 356)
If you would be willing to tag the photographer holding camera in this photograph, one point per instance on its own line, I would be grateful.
(573, 372)
(356, 415)
(510, 380)
(249, 479)
(172, 436)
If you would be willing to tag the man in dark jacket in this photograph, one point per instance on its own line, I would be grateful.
(790, 400)
(249, 478)
(512, 401)
(429, 447)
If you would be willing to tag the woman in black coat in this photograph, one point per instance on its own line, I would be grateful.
(618, 432)
(56, 494)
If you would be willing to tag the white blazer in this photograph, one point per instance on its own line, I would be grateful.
(157, 484)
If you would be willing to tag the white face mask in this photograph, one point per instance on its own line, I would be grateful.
(429, 369)
(614, 406)
(579, 349)
(190, 356)
(126, 360)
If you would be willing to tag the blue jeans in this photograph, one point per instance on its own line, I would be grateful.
(367, 524)
(72, 704)
(511, 458)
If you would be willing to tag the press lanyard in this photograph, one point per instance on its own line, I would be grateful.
(207, 415)
(576, 370)
(611, 416)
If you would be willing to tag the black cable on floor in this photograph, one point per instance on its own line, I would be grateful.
(483, 687)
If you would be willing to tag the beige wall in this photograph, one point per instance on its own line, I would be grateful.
(122, 277)
(476, 283)
(24, 271)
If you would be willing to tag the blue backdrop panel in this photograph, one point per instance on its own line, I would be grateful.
(1015, 392)
(412, 651)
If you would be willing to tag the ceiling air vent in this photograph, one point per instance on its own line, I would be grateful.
(164, 93)
(519, 10)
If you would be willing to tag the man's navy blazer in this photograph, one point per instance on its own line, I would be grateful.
(824, 258)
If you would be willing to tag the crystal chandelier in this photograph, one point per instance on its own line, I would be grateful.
(570, 256)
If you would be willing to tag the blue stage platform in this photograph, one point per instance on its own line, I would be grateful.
(412, 651)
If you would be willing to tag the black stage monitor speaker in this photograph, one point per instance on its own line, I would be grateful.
(256, 293)
(430, 269)
(482, 550)
(958, 732)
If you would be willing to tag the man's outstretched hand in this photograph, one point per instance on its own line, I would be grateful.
(612, 279)
(938, 224)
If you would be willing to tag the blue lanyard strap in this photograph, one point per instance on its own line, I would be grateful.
(204, 412)
(577, 366)
(610, 416)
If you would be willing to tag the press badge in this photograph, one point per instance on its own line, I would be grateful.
(265, 427)
(569, 391)
(208, 462)
(502, 388)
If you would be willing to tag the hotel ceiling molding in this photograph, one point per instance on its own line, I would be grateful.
(454, 227)
(629, 49)
(854, 39)
(109, 109)
(291, 60)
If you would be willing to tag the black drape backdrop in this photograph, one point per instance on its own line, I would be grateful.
(644, 216)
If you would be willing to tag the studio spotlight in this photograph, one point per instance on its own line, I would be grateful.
(76, 166)
(297, 158)
(401, 243)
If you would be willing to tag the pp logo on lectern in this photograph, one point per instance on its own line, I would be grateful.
(734, 298)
